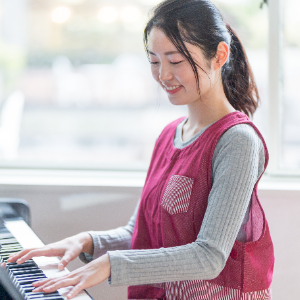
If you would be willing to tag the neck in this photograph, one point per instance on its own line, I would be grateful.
(207, 110)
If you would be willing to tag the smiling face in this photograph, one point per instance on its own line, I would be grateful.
(174, 73)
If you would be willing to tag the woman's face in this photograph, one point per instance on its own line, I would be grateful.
(173, 71)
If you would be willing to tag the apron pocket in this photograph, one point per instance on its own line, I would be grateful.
(177, 194)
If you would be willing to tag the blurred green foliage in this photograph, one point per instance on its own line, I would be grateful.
(12, 62)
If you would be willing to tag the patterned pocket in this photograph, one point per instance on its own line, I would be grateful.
(177, 194)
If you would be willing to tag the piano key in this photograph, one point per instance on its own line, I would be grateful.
(44, 296)
(35, 294)
(10, 250)
(15, 266)
(29, 276)
(24, 268)
(27, 281)
(26, 288)
(5, 235)
(32, 271)
(8, 241)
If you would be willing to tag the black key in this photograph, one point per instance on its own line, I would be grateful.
(27, 281)
(25, 264)
(23, 276)
(45, 297)
(10, 251)
(9, 241)
(35, 271)
(35, 295)
(5, 235)
(23, 270)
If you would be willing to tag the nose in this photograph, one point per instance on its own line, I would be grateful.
(165, 73)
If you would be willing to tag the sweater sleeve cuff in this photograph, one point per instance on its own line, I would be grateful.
(98, 249)
(85, 257)
(114, 261)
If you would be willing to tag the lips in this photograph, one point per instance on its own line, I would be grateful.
(173, 90)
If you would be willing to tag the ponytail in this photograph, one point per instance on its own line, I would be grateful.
(238, 80)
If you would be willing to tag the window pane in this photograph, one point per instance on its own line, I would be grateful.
(76, 87)
(291, 79)
(88, 93)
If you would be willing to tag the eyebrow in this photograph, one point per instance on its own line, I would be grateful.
(166, 53)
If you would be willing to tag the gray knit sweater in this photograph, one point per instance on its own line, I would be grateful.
(238, 162)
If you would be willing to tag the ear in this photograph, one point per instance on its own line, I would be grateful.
(221, 55)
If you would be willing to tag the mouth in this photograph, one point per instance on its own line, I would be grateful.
(172, 89)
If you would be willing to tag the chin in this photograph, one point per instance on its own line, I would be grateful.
(176, 101)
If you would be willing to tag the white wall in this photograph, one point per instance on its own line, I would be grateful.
(59, 211)
(282, 210)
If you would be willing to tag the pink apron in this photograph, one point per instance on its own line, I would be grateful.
(172, 208)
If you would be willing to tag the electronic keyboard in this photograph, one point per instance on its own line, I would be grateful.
(16, 280)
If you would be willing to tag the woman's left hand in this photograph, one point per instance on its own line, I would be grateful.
(91, 274)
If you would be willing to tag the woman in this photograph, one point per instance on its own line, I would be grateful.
(199, 231)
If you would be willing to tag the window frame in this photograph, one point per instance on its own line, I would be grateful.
(275, 91)
(275, 84)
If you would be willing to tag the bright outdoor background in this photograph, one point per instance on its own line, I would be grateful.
(76, 89)
(291, 84)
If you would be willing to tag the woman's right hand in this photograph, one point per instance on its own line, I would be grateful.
(68, 249)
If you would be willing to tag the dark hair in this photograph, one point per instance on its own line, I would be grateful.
(200, 23)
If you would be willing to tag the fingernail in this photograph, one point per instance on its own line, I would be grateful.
(61, 266)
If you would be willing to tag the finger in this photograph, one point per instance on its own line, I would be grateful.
(75, 291)
(33, 253)
(3, 265)
(13, 257)
(20, 256)
(60, 284)
(65, 260)
(39, 286)
(41, 282)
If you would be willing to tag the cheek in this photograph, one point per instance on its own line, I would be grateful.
(189, 81)
(205, 83)
(186, 76)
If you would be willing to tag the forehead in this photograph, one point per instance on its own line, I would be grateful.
(160, 44)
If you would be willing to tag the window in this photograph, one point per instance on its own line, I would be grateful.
(284, 100)
(76, 89)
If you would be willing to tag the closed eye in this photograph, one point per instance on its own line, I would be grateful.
(177, 62)
(173, 63)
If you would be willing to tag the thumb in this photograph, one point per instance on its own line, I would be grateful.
(65, 260)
